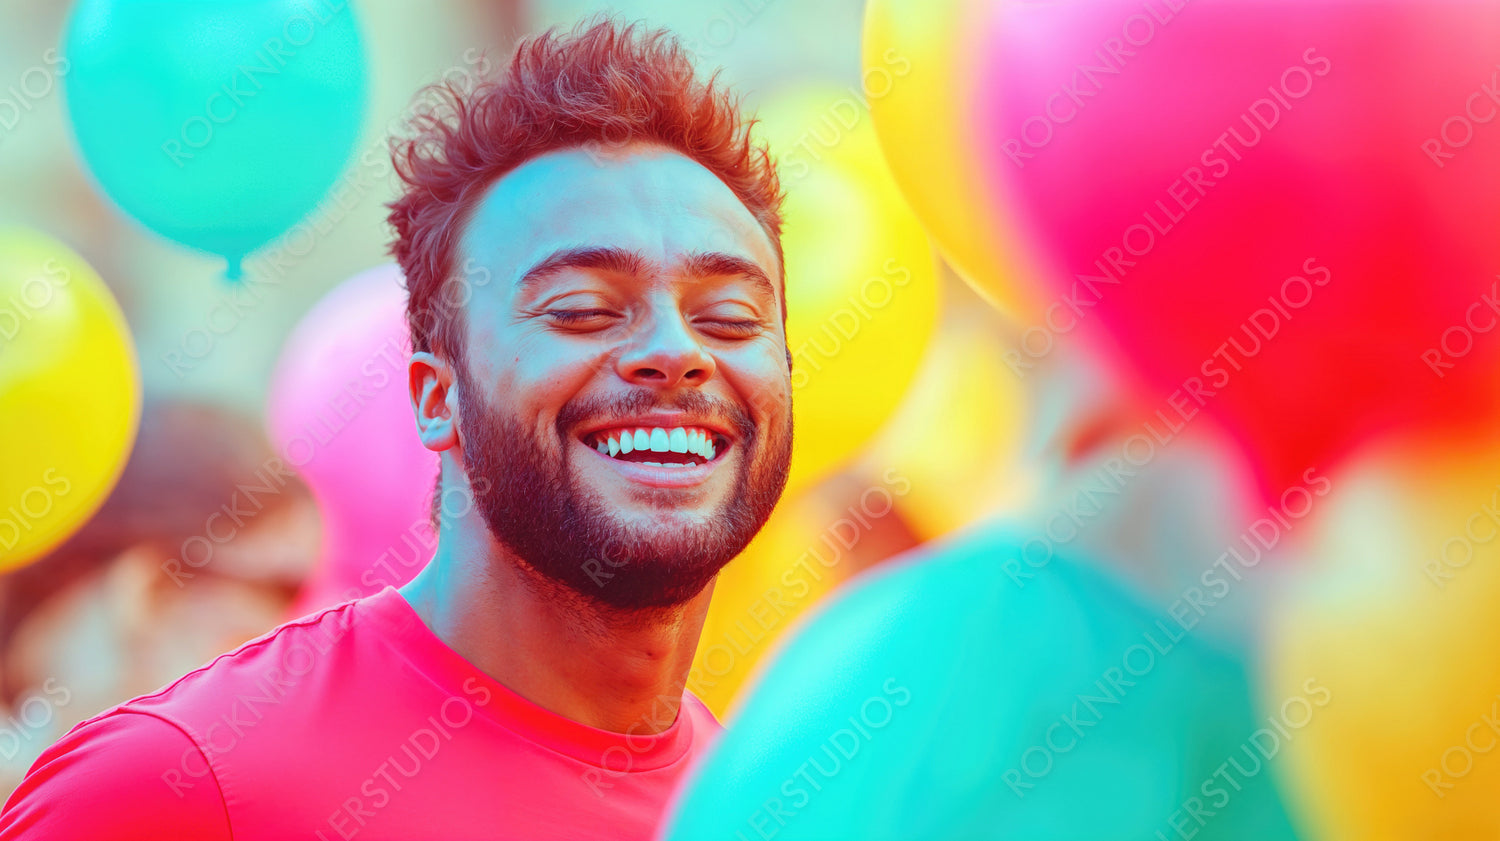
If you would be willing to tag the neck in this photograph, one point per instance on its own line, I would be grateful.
(621, 671)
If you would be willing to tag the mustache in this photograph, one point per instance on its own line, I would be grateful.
(642, 400)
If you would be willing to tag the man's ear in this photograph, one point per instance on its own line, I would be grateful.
(434, 400)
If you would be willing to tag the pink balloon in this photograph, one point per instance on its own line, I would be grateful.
(1285, 206)
(340, 415)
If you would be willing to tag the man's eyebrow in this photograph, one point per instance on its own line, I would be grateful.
(625, 261)
(719, 264)
(606, 258)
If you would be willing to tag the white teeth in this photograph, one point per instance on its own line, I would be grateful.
(659, 440)
(652, 463)
(679, 439)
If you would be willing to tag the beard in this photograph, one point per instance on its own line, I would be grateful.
(535, 506)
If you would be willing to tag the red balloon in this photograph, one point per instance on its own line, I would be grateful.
(1282, 214)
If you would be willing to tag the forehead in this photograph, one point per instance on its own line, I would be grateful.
(640, 198)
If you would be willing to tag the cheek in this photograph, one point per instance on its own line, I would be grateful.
(551, 366)
(543, 375)
(761, 380)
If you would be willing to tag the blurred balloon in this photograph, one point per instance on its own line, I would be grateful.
(70, 393)
(919, 60)
(793, 562)
(815, 540)
(1395, 613)
(957, 435)
(1268, 208)
(217, 125)
(340, 413)
(939, 699)
(861, 279)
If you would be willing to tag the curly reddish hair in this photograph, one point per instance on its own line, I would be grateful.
(601, 84)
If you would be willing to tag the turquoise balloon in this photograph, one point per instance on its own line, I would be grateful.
(940, 700)
(216, 123)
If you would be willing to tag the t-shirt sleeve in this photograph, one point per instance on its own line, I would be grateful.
(122, 777)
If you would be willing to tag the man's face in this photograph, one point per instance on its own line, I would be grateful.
(626, 398)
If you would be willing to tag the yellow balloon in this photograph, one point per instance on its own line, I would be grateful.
(1395, 614)
(792, 563)
(861, 278)
(918, 64)
(958, 434)
(69, 394)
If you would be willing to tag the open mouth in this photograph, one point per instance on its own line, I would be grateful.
(678, 446)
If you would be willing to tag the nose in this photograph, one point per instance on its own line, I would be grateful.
(665, 353)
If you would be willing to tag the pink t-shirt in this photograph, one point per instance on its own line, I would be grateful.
(355, 722)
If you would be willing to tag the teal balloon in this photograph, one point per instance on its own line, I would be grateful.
(216, 123)
(940, 699)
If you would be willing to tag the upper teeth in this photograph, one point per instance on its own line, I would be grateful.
(677, 439)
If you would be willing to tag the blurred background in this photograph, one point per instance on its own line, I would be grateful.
(1160, 329)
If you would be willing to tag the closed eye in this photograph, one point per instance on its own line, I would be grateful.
(581, 319)
(731, 328)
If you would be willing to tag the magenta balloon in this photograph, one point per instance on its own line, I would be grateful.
(340, 415)
(1277, 211)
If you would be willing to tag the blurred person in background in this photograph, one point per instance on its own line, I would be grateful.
(114, 612)
(592, 246)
